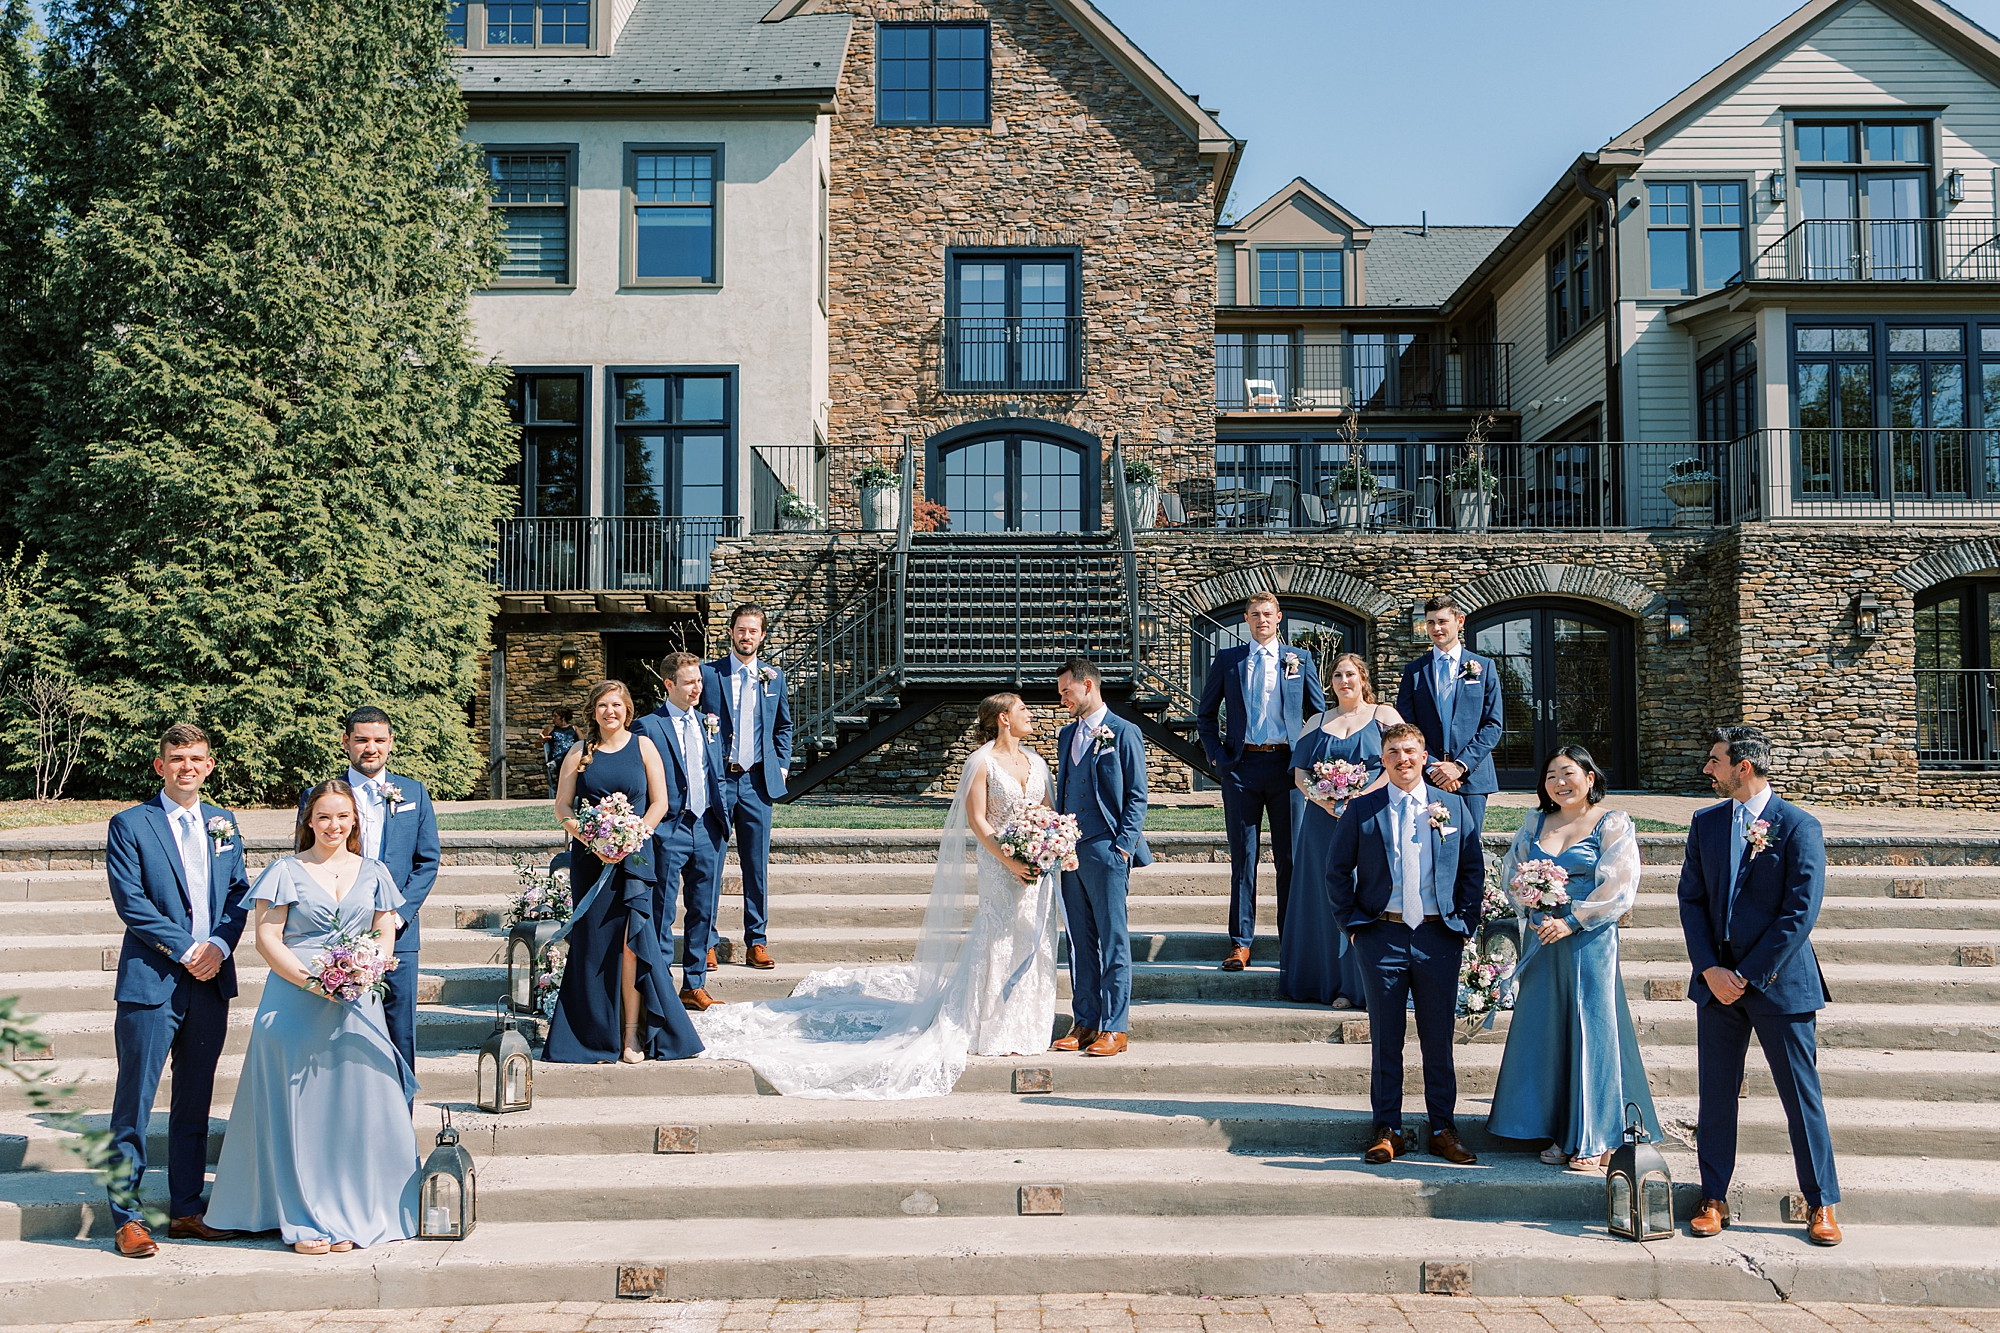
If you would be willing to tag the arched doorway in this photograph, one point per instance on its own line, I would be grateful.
(1323, 630)
(1958, 688)
(1566, 678)
(1014, 476)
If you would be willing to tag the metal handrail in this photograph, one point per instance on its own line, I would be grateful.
(1011, 353)
(1955, 249)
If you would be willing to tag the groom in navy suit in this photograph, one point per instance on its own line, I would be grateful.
(1101, 779)
(1406, 877)
(757, 742)
(1453, 694)
(689, 840)
(398, 828)
(1751, 884)
(1271, 690)
(178, 883)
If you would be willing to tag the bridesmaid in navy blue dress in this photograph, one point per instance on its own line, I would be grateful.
(1572, 1060)
(1316, 965)
(617, 1000)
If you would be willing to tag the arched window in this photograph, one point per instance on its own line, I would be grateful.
(1006, 477)
(1324, 631)
(1566, 678)
(1958, 690)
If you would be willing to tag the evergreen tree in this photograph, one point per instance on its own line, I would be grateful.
(267, 469)
(19, 252)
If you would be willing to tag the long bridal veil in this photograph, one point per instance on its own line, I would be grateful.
(873, 1033)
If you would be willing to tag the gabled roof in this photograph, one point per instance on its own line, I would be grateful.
(1939, 22)
(1299, 187)
(1417, 265)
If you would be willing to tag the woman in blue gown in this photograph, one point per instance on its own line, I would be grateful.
(1316, 964)
(1572, 1060)
(617, 1000)
(319, 1146)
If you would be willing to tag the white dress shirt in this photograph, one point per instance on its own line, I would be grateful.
(191, 845)
(1412, 866)
(1081, 741)
(694, 751)
(372, 810)
(745, 700)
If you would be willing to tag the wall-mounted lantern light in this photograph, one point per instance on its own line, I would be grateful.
(567, 659)
(1954, 186)
(1867, 616)
(1417, 619)
(1679, 627)
(1777, 187)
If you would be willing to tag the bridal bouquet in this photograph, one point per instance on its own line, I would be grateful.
(611, 829)
(1040, 837)
(1336, 779)
(543, 895)
(354, 965)
(1541, 886)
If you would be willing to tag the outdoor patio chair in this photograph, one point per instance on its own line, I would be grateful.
(1263, 395)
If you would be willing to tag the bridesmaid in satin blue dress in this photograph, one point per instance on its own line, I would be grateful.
(618, 1001)
(320, 1146)
(1572, 1060)
(1316, 964)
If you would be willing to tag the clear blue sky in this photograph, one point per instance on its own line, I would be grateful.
(1467, 108)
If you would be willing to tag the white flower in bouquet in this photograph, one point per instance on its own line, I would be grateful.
(1039, 837)
(1541, 886)
(611, 829)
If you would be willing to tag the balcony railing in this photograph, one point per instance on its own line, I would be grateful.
(1958, 719)
(1329, 377)
(625, 554)
(1885, 250)
(1011, 354)
(1886, 473)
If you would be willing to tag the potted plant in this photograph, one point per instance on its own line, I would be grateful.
(1354, 492)
(796, 513)
(881, 497)
(1142, 492)
(1691, 487)
(929, 516)
(1472, 485)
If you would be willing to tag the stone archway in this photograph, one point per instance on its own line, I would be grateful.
(1289, 580)
(1580, 581)
(1962, 560)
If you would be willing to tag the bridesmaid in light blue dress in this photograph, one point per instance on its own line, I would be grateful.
(1572, 1059)
(1316, 964)
(320, 1147)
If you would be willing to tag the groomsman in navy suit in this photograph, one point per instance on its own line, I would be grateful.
(688, 842)
(398, 828)
(1271, 690)
(1101, 779)
(179, 885)
(1453, 694)
(1406, 877)
(1751, 884)
(757, 738)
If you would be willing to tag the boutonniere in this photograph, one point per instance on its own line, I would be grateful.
(1291, 666)
(1103, 738)
(220, 830)
(713, 723)
(765, 674)
(1757, 836)
(392, 796)
(1440, 818)
(1470, 669)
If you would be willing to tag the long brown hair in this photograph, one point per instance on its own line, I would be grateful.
(1361, 665)
(991, 709)
(304, 837)
(591, 738)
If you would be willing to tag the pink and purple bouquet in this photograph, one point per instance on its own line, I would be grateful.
(1481, 987)
(611, 829)
(1541, 886)
(1039, 837)
(1336, 779)
(354, 965)
(543, 895)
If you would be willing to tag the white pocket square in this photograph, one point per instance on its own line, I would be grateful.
(222, 847)
(406, 807)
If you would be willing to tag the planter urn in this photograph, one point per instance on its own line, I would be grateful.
(881, 508)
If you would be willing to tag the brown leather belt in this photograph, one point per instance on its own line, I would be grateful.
(737, 770)
(1266, 749)
(1397, 917)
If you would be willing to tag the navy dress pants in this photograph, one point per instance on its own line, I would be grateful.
(1791, 1045)
(190, 1029)
(1100, 947)
(1404, 968)
(752, 819)
(1258, 783)
(690, 853)
(399, 1006)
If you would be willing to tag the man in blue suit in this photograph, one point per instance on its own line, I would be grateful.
(398, 828)
(1453, 694)
(1101, 779)
(1271, 690)
(689, 839)
(757, 740)
(178, 883)
(1750, 890)
(1406, 877)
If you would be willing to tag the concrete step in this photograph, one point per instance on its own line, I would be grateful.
(83, 953)
(71, 992)
(442, 1029)
(1880, 946)
(1854, 912)
(1764, 1261)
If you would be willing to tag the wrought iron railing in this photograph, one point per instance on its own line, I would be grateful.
(1252, 376)
(1884, 473)
(1012, 353)
(1011, 606)
(1957, 249)
(1958, 719)
(630, 554)
(817, 488)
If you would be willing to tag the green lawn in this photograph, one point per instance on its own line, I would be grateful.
(43, 814)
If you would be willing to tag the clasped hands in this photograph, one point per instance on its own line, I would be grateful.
(1447, 775)
(1551, 929)
(205, 962)
(1724, 984)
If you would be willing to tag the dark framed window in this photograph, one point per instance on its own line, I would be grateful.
(520, 25)
(1014, 479)
(1958, 693)
(548, 475)
(1258, 370)
(932, 74)
(1862, 192)
(672, 446)
(534, 191)
(1575, 280)
(673, 222)
(454, 22)
(1694, 235)
(1728, 381)
(1299, 277)
(1568, 676)
(1012, 322)
(1323, 630)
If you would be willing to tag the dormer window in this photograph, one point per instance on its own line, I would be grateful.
(504, 26)
(1298, 277)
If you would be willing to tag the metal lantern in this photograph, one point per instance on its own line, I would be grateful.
(448, 1197)
(506, 1068)
(1638, 1188)
(527, 942)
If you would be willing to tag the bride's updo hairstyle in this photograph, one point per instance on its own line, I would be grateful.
(991, 709)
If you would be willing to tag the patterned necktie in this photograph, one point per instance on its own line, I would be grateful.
(194, 864)
(697, 793)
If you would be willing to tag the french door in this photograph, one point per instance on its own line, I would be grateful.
(1566, 678)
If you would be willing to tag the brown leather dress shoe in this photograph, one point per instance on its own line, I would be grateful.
(1821, 1229)
(1077, 1039)
(1107, 1043)
(1238, 959)
(1445, 1144)
(760, 958)
(197, 1228)
(711, 960)
(135, 1242)
(1385, 1148)
(1710, 1218)
(699, 999)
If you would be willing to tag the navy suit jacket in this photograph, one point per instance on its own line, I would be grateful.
(1229, 678)
(1475, 717)
(1359, 878)
(411, 850)
(1114, 788)
(149, 891)
(1767, 937)
(775, 746)
(658, 725)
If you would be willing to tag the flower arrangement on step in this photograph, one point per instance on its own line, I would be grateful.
(611, 829)
(1482, 991)
(354, 965)
(1037, 836)
(1542, 886)
(1337, 780)
(543, 895)
(548, 981)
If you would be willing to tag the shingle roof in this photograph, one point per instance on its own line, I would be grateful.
(685, 47)
(1408, 267)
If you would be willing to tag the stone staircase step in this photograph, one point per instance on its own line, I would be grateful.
(1882, 946)
(99, 952)
(1852, 912)
(442, 1029)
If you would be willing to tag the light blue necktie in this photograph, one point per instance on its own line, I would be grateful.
(1262, 685)
(1736, 845)
(1445, 701)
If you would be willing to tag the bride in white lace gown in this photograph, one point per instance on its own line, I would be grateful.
(983, 980)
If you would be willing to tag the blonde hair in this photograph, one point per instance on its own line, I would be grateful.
(591, 736)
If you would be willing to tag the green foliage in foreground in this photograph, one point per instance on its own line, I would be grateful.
(19, 1044)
